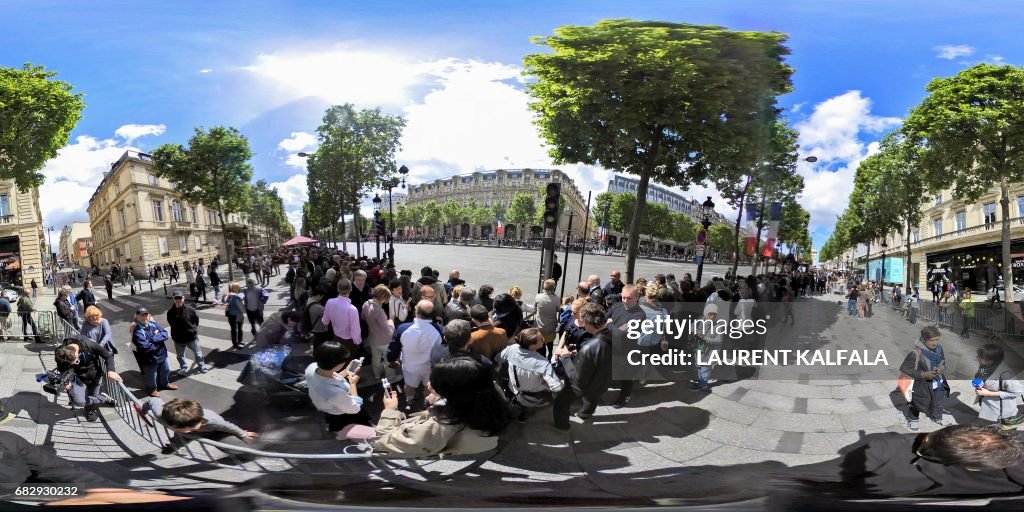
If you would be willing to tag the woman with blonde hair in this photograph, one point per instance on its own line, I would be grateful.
(517, 293)
(97, 329)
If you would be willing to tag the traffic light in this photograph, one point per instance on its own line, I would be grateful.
(378, 223)
(551, 199)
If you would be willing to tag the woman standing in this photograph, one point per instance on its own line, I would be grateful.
(926, 364)
(998, 391)
(966, 313)
(913, 302)
(851, 303)
(862, 301)
(234, 303)
(25, 310)
(300, 294)
(379, 328)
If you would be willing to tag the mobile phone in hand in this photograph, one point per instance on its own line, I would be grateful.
(387, 386)
(355, 365)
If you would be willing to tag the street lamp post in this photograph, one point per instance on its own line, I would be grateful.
(708, 208)
(376, 221)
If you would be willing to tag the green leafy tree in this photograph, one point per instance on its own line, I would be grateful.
(682, 228)
(654, 99)
(432, 215)
(721, 238)
(620, 212)
(795, 225)
(522, 211)
(454, 215)
(213, 170)
(970, 129)
(37, 115)
(482, 215)
(356, 151)
(602, 208)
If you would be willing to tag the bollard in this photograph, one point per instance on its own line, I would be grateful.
(150, 286)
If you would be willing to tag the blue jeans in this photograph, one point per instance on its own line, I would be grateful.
(156, 375)
(85, 395)
(179, 348)
(851, 306)
(703, 374)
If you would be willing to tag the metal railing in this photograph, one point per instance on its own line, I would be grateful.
(1001, 318)
(351, 459)
(48, 326)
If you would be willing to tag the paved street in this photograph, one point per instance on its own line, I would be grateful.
(670, 442)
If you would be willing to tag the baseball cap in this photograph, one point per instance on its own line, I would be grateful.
(178, 294)
(141, 311)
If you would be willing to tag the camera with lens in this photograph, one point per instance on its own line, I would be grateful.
(54, 381)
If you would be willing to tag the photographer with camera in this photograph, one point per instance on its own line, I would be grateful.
(82, 358)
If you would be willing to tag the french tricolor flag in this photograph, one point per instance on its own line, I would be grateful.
(773, 229)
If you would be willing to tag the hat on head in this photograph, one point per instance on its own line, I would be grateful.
(250, 280)
(141, 311)
(178, 294)
(427, 272)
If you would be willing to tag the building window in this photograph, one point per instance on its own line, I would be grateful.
(961, 220)
(162, 243)
(127, 250)
(158, 211)
(938, 227)
(199, 243)
(1020, 206)
(183, 244)
(5, 205)
(915, 235)
(117, 189)
(176, 211)
(938, 200)
(989, 209)
(195, 215)
(124, 219)
(153, 180)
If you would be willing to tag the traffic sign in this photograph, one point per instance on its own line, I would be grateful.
(702, 236)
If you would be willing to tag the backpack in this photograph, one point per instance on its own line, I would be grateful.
(264, 295)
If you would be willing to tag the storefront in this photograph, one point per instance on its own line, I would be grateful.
(10, 261)
(894, 271)
(977, 267)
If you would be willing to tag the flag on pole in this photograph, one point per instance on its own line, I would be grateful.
(751, 246)
(501, 227)
(604, 233)
(773, 229)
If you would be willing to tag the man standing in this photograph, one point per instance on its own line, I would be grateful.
(87, 296)
(149, 341)
(107, 283)
(546, 307)
(620, 314)
(594, 290)
(458, 309)
(343, 317)
(184, 324)
(418, 342)
(614, 285)
(589, 369)
(556, 269)
(35, 286)
(255, 298)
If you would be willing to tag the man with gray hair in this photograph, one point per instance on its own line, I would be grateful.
(418, 341)
(456, 335)
(459, 309)
(594, 291)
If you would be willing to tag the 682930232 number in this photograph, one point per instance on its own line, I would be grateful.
(45, 491)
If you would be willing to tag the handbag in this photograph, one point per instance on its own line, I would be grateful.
(905, 383)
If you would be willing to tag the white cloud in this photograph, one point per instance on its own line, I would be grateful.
(995, 59)
(797, 107)
(298, 141)
(953, 51)
(130, 132)
(205, 70)
(834, 133)
(72, 177)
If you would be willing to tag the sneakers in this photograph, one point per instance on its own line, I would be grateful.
(182, 372)
(621, 402)
(168, 449)
(913, 425)
(697, 387)
(106, 400)
(584, 415)
(938, 421)
(204, 369)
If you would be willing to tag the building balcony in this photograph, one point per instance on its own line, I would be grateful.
(7, 219)
(181, 225)
(981, 233)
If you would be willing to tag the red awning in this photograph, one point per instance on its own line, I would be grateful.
(299, 240)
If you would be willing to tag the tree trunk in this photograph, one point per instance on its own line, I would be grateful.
(1004, 201)
(909, 267)
(739, 220)
(634, 224)
(867, 263)
(227, 249)
(757, 239)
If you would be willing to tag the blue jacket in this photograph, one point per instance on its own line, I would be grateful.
(149, 342)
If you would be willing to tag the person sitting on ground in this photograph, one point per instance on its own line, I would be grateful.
(280, 328)
(531, 378)
(189, 417)
(465, 417)
(332, 389)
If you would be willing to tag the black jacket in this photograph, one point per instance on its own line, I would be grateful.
(88, 368)
(886, 464)
(183, 323)
(594, 366)
(455, 310)
(87, 298)
(64, 310)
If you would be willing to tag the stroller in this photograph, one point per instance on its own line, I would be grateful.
(277, 373)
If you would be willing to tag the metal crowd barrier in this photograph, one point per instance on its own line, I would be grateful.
(999, 319)
(48, 326)
(351, 459)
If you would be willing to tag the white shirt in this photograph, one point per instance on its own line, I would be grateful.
(417, 343)
(331, 396)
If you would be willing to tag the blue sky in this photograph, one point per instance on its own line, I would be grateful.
(151, 71)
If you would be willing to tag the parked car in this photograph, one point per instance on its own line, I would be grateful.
(1018, 293)
(11, 294)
